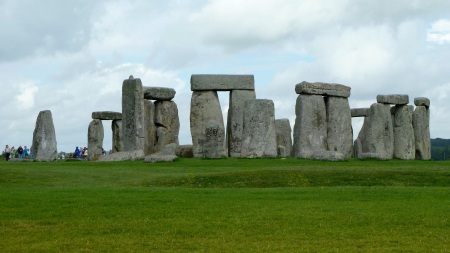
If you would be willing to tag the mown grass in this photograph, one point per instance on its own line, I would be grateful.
(226, 205)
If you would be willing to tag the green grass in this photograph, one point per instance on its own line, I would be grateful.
(225, 205)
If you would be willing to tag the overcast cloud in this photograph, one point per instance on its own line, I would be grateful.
(71, 57)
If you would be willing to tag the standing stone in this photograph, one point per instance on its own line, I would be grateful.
(162, 138)
(150, 127)
(310, 129)
(404, 144)
(235, 123)
(260, 138)
(205, 107)
(133, 115)
(339, 126)
(421, 124)
(95, 139)
(117, 143)
(214, 134)
(376, 138)
(284, 139)
(44, 138)
(166, 115)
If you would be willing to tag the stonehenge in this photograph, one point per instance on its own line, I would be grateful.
(44, 138)
(148, 126)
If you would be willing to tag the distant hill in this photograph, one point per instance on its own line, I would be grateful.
(440, 149)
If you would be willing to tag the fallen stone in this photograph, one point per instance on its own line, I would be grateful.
(360, 112)
(222, 82)
(95, 139)
(123, 156)
(106, 115)
(339, 126)
(325, 89)
(421, 124)
(372, 156)
(169, 149)
(260, 138)
(185, 151)
(396, 99)
(421, 101)
(160, 158)
(310, 129)
(322, 155)
(284, 136)
(44, 138)
(117, 143)
(404, 143)
(158, 93)
(235, 122)
(205, 107)
(133, 125)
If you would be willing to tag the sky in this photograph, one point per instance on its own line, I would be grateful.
(71, 57)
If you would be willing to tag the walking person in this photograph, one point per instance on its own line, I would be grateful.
(13, 152)
(25, 152)
(7, 152)
(20, 151)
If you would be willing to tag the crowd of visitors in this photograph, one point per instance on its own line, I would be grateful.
(20, 152)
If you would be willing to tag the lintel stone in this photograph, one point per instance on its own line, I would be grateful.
(222, 82)
(360, 112)
(158, 93)
(397, 99)
(325, 89)
(107, 115)
(421, 101)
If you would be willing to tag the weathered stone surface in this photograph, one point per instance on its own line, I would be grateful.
(169, 149)
(377, 134)
(158, 93)
(421, 124)
(123, 156)
(213, 142)
(166, 115)
(185, 151)
(117, 142)
(260, 138)
(235, 122)
(107, 115)
(150, 127)
(281, 151)
(222, 82)
(310, 129)
(397, 99)
(360, 112)
(133, 125)
(284, 136)
(44, 138)
(404, 144)
(162, 139)
(205, 107)
(160, 158)
(339, 126)
(421, 101)
(325, 89)
(322, 155)
(95, 139)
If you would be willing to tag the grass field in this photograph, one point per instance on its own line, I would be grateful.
(225, 205)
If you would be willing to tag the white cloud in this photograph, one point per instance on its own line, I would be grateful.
(25, 98)
(439, 32)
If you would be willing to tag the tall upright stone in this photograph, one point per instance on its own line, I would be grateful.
(421, 124)
(376, 138)
(205, 107)
(235, 123)
(95, 139)
(117, 142)
(44, 138)
(339, 126)
(260, 139)
(133, 115)
(166, 116)
(284, 139)
(150, 127)
(404, 142)
(310, 129)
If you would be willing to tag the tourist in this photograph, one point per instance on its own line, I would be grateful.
(20, 151)
(7, 152)
(31, 153)
(85, 154)
(77, 152)
(13, 152)
(25, 152)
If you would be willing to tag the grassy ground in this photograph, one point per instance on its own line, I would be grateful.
(226, 205)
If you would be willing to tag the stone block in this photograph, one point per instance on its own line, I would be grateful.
(421, 101)
(155, 158)
(222, 82)
(95, 139)
(117, 142)
(396, 99)
(107, 115)
(133, 125)
(404, 144)
(166, 115)
(133, 155)
(44, 145)
(324, 89)
(185, 151)
(339, 126)
(284, 136)
(149, 127)
(158, 93)
(421, 125)
(360, 112)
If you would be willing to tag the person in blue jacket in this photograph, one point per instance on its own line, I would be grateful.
(77, 153)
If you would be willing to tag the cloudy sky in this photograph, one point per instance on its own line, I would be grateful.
(71, 57)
